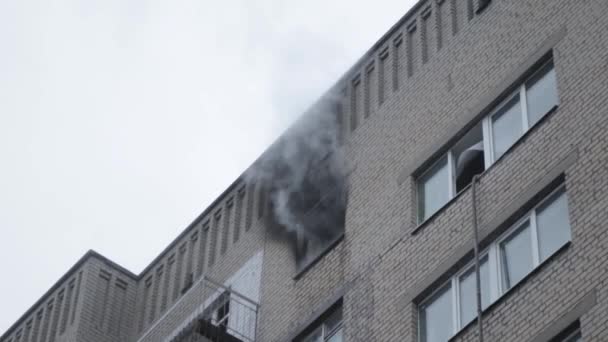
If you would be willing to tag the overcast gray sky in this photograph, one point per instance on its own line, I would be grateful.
(120, 121)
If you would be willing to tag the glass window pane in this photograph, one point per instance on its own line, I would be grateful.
(333, 321)
(553, 224)
(336, 337)
(516, 252)
(541, 94)
(576, 337)
(506, 126)
(436, 317)
(315, 336)
(433, 189)
(468, 297)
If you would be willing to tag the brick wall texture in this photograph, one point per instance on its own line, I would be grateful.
(420, 85)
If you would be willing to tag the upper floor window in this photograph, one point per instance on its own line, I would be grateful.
(487, 141)
(328, 330)
(506, 261)
(520, 111)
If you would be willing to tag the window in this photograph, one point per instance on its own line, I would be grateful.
(222, 314)
(516, 253)
(329, 329)
(574, 337)
(487, 141)
(432, 188)
(466, 286)
(436, 317)
(553, 227)
(570, 334)
(506, 126)
(504, 263)
(524, 108)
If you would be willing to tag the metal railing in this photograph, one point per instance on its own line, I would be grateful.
(225, 316)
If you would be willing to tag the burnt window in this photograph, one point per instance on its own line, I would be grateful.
(305, 175)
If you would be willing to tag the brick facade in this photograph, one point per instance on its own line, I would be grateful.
(415, 92)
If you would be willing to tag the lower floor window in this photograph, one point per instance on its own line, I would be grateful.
(575, 337)
(329, 329)
(570, 334)
(506, 261)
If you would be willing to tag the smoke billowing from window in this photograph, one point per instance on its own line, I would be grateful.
(304, 174)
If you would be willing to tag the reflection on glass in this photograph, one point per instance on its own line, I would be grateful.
(553, 225)
(516, 254)
(506, 126)
(436, 319)
(433, 189)
(468, 296)
(541, 94)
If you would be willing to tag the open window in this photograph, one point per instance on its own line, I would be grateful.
(312, 218)
(451, 173)
(469, 158)
(487, 141)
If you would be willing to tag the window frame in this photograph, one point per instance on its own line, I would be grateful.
(572, 333)
(449, 164)
(320, 324)
(495, 265)
(522, 92)
(490, 158)
(530, 217)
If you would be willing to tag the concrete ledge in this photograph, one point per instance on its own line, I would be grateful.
(487, 231)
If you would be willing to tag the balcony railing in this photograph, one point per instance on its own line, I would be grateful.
(227, 316)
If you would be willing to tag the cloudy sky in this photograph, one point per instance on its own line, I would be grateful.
(120, 121)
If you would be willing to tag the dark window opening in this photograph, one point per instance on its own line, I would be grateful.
(469, 157)
(311, 215)
(570, 334)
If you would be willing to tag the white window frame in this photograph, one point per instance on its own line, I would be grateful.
(496, 266)
(451, 180)
(488, 136)
(522, 91)
(325, 333)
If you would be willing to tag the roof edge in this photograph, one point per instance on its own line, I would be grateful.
(61, 281)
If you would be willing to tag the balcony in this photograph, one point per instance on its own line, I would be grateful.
(228, 316)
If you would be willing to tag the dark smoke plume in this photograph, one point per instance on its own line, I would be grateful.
(304, 174)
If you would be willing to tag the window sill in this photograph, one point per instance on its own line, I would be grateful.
(304, 268)
(512, 290)
(510, 150)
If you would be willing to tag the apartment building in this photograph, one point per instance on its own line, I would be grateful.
(470, 140)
